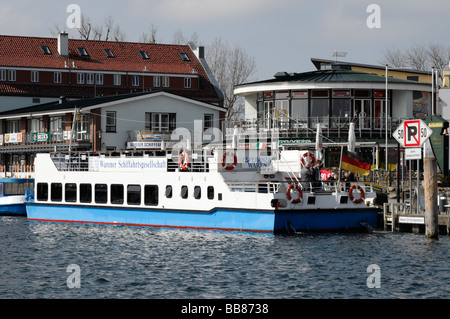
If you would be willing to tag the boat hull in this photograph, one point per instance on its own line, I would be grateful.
(13, 209)
(270, 221)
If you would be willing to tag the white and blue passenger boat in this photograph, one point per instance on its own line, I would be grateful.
(12, 195)
(208, 189)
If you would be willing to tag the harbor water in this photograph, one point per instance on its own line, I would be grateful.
(70, 261)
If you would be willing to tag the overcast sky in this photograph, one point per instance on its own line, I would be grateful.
(282, 35)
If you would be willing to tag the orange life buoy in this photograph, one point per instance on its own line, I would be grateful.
(356, 200)
(305, 156)
(184, 161)
(299, 190)
(231, 166)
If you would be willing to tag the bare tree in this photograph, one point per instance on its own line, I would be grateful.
(179, 38)
(85, 29)
(151, 36)
(419, 57)
(231, 66)
(438, 55)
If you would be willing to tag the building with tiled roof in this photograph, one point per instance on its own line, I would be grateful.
(39, 70)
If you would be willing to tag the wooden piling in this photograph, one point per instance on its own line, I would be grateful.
(430, 192)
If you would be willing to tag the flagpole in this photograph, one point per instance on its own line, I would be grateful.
(340, 165)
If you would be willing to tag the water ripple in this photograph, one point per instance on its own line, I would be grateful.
(127, 262)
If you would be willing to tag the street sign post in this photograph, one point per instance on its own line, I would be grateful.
(412, 133)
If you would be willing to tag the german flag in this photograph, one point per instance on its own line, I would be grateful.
(355, 166)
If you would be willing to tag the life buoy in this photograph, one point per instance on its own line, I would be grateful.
(183, 161)
(356, 200)
(299, 190)
(305, 156)
(229, 167)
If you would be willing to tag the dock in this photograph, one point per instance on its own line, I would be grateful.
(403, 217)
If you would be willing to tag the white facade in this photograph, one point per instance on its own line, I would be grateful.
(132, 115)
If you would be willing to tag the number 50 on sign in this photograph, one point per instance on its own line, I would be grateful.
(412, 133)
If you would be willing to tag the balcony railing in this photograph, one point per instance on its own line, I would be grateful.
(331, 126)
(53, 137)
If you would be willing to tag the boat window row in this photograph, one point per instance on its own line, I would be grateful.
(132, 194)
(197, 193)
(116, 194)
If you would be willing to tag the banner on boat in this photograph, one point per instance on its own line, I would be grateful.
(127, 164)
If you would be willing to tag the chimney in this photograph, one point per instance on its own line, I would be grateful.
(63, 44)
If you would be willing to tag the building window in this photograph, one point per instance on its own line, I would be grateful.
(12, 126)
(108, 53)
(85, 193)
(208, 121)
(34, 76)
(134, 194)
(90, 78)
(12, 75)
(101, 193)
(166, 81)
(184, 56)
(161, 122)
(110, 121)
(82, 52)
(56, 192)
(2, 75)
(151, 195)
(45, 49)
(99, 78)
(135, 80)
(70, 192)
(117, 79)
(157, 81)
(116, 194)
(143, 55)
(34, 125)
(56, 128)
(187, 83)
(57, 77)
(80, 78)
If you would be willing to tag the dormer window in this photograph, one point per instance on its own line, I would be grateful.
(82, 52)
(143, 54)
(109, 53)
(184, 56)
(45, 49)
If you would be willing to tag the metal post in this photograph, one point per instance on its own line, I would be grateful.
(386, 115)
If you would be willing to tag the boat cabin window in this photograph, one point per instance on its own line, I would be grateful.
(101, 193)
(151, 195)
(116, 194)
(184, 191)
(169, 191)
(134, 194)
(42, 192)
(16, 188)
(210, 192)
(85, 193)
(197, 192)
(70, 193)
(56, 192)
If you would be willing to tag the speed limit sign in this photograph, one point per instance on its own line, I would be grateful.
(412, 133)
